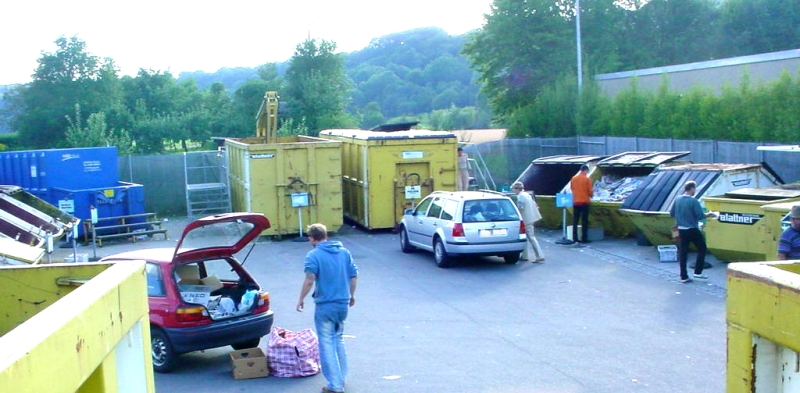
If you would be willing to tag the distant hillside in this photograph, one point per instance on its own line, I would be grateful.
(406, 73)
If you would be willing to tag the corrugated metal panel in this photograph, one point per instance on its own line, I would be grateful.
(644, 159)
(659, 189)
(568, 159)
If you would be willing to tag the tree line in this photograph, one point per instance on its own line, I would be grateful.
(526, 55)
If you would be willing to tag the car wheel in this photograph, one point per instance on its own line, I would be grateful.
(404, 245)
(440, 254)
(511, 258)
(246, 344)
(164, 356)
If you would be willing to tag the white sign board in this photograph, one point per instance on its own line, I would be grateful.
(299, 199)
(412, 155)
(66, 205)
(413, 192)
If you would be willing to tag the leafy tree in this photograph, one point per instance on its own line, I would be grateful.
(96, 133)
(317, 86)
(66, 77)
(372, 116)
(758, 26)
(523, 46)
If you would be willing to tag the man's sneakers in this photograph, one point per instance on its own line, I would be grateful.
(696, 276)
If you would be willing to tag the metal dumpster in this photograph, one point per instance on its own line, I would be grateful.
(385, 173)
(649, 205)
(37, 171)
(739, 232)
(615, 178)
(295, 179)
(776, 220)
(546, 177)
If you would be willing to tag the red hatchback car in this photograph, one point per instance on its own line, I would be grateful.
(200, 295)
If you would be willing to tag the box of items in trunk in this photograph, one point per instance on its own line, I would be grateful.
(249, 363)
(221, 301)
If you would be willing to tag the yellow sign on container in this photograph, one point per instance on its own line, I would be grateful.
(385, 173)
(268, 177)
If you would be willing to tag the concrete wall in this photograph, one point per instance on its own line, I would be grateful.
(711, 75)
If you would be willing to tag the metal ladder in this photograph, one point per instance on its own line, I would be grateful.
(207, 187)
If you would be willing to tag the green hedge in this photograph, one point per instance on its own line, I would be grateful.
(752, 113)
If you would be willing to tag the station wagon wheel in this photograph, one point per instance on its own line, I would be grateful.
(164, 356)
(440, 254)
(404, 245)
(511, 258)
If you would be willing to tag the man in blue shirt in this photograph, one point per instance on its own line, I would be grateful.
(687, 213)
(789, 244)
(330, 270)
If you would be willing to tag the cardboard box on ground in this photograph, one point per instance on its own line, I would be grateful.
(249, 363)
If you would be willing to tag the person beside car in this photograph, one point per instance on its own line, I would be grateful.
(789, 243)
(332, 273)
(530, 214)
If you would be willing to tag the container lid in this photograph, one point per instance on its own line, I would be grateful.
(641, 158)
(568, 159)
(767, 193)
(383, 135)
(659, 189)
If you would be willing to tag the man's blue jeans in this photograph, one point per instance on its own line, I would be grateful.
(329, 320)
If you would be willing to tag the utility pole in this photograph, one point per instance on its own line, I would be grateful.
(578, 40)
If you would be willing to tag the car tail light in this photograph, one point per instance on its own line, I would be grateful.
(192, 314)
(458, 230)
(262, 303)
(522, 228)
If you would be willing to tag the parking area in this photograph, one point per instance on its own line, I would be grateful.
(604, 318)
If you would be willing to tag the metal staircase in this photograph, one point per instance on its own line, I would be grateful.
(207, 188)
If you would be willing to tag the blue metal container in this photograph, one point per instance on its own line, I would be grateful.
(121, 200)
(37, 171)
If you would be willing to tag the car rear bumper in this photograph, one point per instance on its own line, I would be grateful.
(220, 333)
(485, 249)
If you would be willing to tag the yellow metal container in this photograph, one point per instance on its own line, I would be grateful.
(763, 311)
(385, 173)
(739, 233)
(75, 328)
(774, 226)
(649, 205)
(546, 177)
(295, 181)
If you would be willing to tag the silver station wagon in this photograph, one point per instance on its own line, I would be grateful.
(465, 223)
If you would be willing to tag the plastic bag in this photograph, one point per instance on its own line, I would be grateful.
(293, 354)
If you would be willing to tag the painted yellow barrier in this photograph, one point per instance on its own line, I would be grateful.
(75, 327)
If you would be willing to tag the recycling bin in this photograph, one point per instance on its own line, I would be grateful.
(615, 179)
(294, 180)
(649, 205)
(739, 233)
(386, 172)
(546, 177)
(776, 220)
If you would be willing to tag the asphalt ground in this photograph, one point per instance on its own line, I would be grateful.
(607, 317)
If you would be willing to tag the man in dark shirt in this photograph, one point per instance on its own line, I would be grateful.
(789, 244)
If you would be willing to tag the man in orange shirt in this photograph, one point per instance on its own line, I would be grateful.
(582, 192)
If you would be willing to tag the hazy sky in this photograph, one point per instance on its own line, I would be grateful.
(203, 35)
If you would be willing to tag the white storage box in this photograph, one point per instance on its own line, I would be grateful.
(668, 253)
